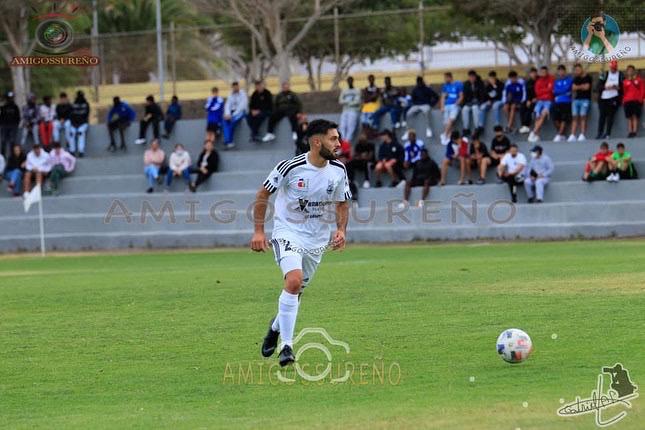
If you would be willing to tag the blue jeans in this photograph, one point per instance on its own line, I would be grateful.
(15, 177)
(395, 115)
(497, 111)
(184, 174)
(152, 173)
(76, 137)
(229, 127)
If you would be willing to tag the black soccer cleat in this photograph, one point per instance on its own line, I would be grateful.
(270, 341)
(286, 356)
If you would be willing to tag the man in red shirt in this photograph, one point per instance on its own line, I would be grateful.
(598, 166)
(542, 101)
(633, 97)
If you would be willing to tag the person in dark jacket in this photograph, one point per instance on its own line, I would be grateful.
(151, 115)
(495, 92)
(9, 124)
(15, 170)
(423, 98)
(78, 125)
(119, 118)
(390, 159)
(302, 145)
(61, 121)
(424, 174)
(389, 104)
(206, 165)
(30, 121)
(474, 97)
(526, 110)
(287, 104)
(260, 108)
(173, 114)
(610, 91)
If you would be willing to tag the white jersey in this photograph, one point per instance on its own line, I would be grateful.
(304, 210)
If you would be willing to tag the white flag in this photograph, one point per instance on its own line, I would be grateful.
(32, 197)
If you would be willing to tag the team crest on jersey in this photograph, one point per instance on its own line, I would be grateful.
(302, 184)
(330, 186)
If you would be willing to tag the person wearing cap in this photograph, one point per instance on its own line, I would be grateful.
(61, 120)
(633, 98)
(173, 114)
(37, 167)
(78, 124)
(152, 115)
(474, 98)
(9, 124)
(610, 86)
(119, 118)
(511, 170)
(60, 164)
(234, 111)
(29, 121)
(350, 100)
(260, 108)
(287, 104)
(539, 172)
(423, 98)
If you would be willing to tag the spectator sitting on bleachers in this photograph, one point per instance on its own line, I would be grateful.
(78, 124)
(474, 99)
(214, 114)
(345, 157)
(389, 104)
(526, 112)
(423, 98)
(206, 165)
(479, 160)
(390, 159)
(15, 170)
(513, 98)
(287, 104)
(633, 97)
(61, 120)
(173, 114)
(260, 108)
(499, 146)
(538, 173)
(495, 92)
(597, 167)
(412, 149)
(456, 151)
(302, 145)
(61, 164)
(46, 115)
(29, 122)
(350, 100)
(235, 109)
(425, 173)
(152, 115)
(153, 162)
(620, 165)
(178, 165)
(610, 88)
(582, 101)
(363, 158)
(452, 96)
(562, 93)
(37, 167)
(543, 101)
(371, 96)
(119, 118)
(511, 169)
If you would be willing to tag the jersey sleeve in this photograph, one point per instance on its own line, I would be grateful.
(275, 178)
(343, 192)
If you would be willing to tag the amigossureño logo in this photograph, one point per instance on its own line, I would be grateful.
(599, 36)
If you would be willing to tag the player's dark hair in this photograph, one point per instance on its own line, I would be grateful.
(631, 66)
(319, 126)
(577, 65)
(449, 74)
(492, 74)
(544, 68)
(514, 145)
(471, 72)
(498, 128)
(561, 67)
(214, 90)
(512, 74)
(604, 145)
(63, 94)
(620, 145)
(56, 145)
(150, 98)
(454, 135)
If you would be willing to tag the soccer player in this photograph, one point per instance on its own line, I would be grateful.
(307, 185)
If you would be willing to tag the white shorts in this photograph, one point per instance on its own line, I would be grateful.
(291, 257)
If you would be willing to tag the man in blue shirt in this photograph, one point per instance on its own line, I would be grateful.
(452, 96)
(173, 114)
(562, 88)
(215, 114)
(513, 98)
(119, 118)
(412, 148)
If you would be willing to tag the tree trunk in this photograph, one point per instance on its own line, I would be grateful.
(19, 85)
(310, 75)
(319, 73)
(284, 71)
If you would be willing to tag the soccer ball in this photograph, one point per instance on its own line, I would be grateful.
(514, 345)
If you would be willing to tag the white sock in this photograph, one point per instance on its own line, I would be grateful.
(287, 313)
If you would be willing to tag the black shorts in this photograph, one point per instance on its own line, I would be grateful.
(633, 109)
(562, 112)
(212, 127)
(419, 182)
(494, 161)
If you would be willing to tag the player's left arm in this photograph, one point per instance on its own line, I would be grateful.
(342, 216)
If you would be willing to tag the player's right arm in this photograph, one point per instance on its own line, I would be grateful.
(259, 241)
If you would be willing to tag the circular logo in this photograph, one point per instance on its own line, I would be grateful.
(55, 35)
(600, 34)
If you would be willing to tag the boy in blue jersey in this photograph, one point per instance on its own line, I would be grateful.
(562, 88)
(214, 114)
(513, 98)
(452, 96)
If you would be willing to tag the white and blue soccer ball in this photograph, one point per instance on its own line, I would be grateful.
(514, 345)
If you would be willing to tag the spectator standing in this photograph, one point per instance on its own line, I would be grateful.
(633, 97)
(178, 165)
(119, 118)
(425, 173)
(61, 120)
(214, 114)
(36, 167)
(390, 159)
(544, 99)
(15, 170)
(30, 121)
(152, 115)
(153, 162)
(287, 104)
(538, 174)
(389, 104)
(620, 165)
(526, 112)
(499, 146)
(78, 125)
(610, 85)
(423, 98)
(206, 165)
(350, 100)
(479, 159)
(474, 98)
(363, 158)
(46, 115)
(597, 168)
(562, 94)
(173, 114)
(60, 164)
(456, 152)
(513, 98)
(260, 108)
(9, 124)
(371, 96)
(511, 170)
(452, 96)
(494, 92)
(582, 101)
(235, 109)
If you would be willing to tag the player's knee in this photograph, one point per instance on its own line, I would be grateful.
(293, 281)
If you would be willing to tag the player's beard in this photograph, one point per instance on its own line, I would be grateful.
(327, 154)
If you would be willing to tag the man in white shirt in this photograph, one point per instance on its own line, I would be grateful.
(511, 169)
(178, 165)
(60, 164)
(234, 111)
(313, 192)
(350, 100)
(37, 167)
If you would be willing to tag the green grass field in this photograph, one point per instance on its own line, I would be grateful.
(166, 339)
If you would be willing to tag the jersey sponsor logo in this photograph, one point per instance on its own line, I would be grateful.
(302, 184)
(303, 205)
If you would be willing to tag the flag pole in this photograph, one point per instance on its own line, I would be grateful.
(42, 227)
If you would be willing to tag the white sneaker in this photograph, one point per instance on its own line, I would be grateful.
(533, 137)
(612, 178)
(524, 129)
(571, 138)
(616, 177)
(420, 203)
(428, 132)
(444, 139)
(404, 124)
(402, 205)
(366, 184)
(558, 138)
(294, 135)
(139, 141)
(581, 138)
(397, 125)
(268, 137)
